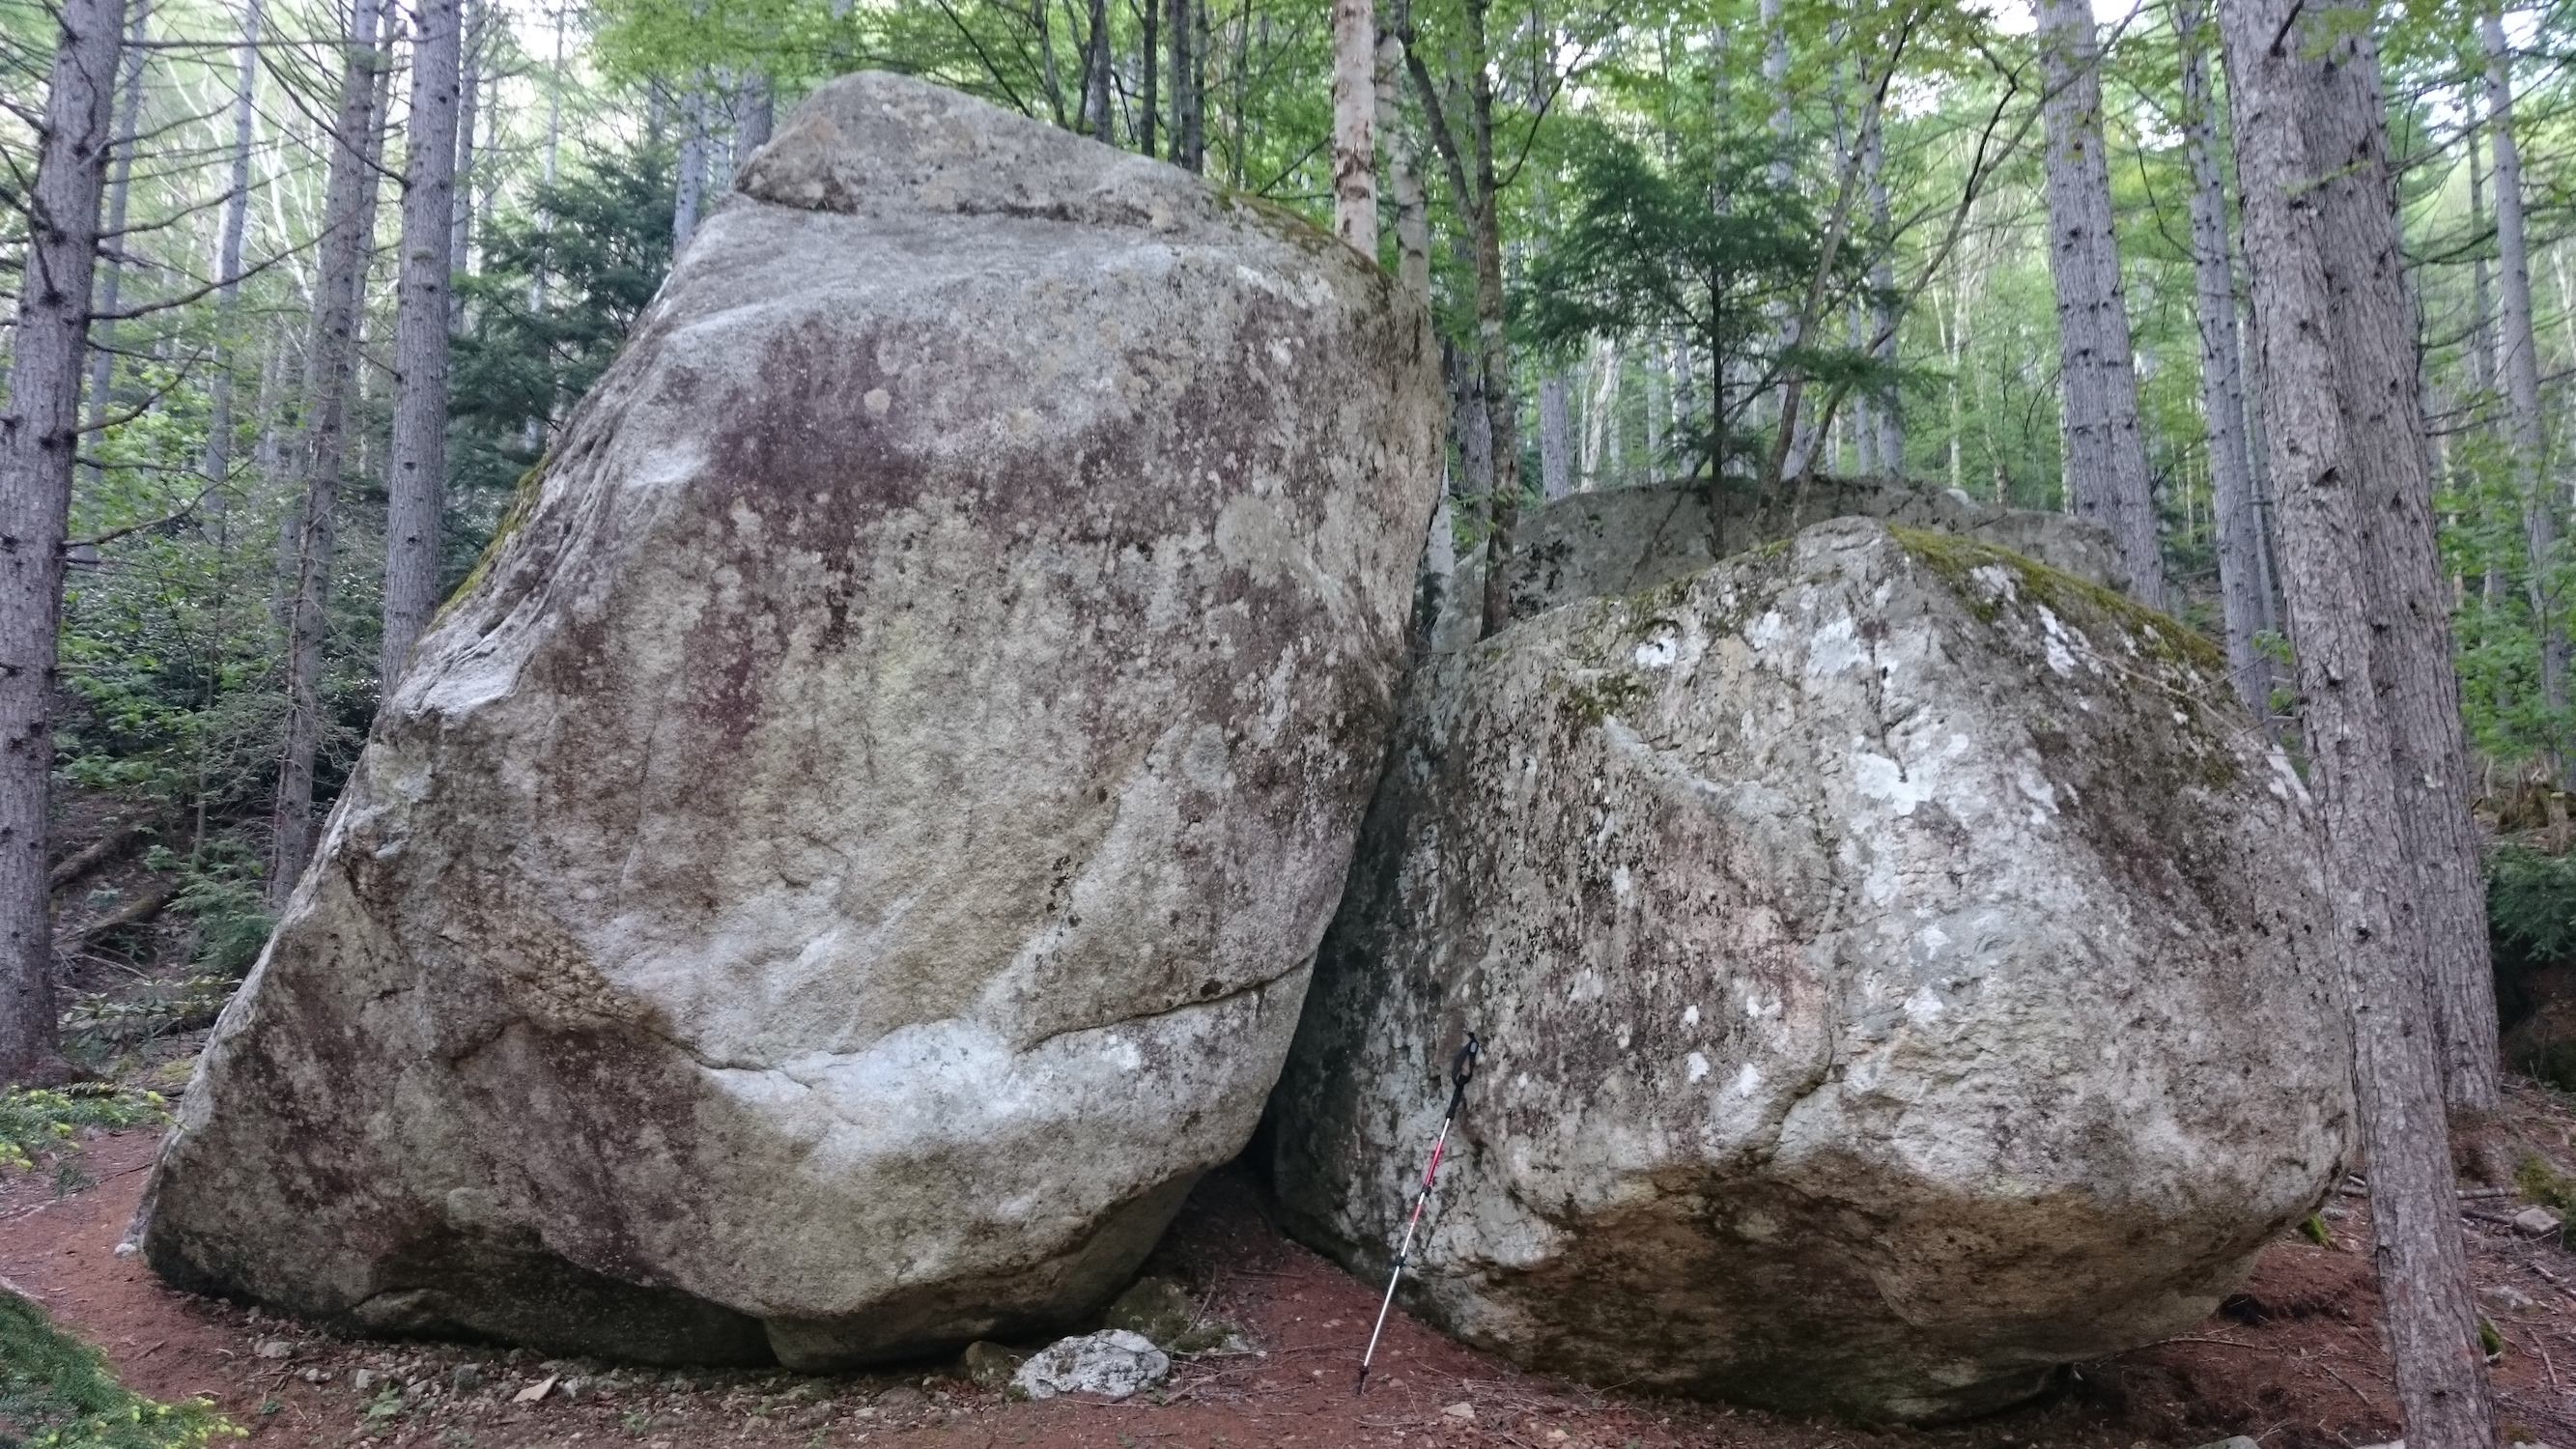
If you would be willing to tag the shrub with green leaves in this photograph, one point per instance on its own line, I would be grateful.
(57, 1392)
(38, 1123)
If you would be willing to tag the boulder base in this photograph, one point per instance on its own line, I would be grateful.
(1897, 966)
(853, 856)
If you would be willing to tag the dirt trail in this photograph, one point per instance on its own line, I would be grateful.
(2294, 1361)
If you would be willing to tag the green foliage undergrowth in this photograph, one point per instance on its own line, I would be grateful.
(38, 1123)
(57, 1392)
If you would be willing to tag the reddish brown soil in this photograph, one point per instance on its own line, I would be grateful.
(2294, 1361)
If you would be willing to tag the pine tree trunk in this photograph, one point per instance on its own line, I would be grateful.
(1355, 124)
(2222, 396)
(2352, 750)
(39, 442)
(111, 272)
(2106, 453)
(2482, 340)
(228, 252)
(2521, 358)
(469, 94)
(2381, 387)
(417, 471)
(339, 290)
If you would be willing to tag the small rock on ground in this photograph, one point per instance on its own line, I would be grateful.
(1112, 1362)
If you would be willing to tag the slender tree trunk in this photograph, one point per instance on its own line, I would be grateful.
(2352, 751)
(2524, 432)
(1149, 15)
(693, 168)
(228, 252)
(1886, 410)
(1095, 73)
(2106, 454)
(2222, 397)
(111, 273)
(1503, 505)
(1189, 136)
(39, 442)
(2381, 388)
(1355, 124)
(461, 212)
(2482, 338)
(759, 117)
(418, 457)
(339, 289)
(1403, 170)
(1555, 439)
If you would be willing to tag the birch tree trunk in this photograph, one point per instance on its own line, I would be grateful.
(2423, 1275)
(39, 442)
(111, 273)
(2106, 454)
(417, 471)
(1355, 124)
(2381, 388)
(339, 289)
(1403, 170)
(2222, 396)
(2524, 434)
(228, 252)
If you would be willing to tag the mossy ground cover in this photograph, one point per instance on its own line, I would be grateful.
(57, 1392)
(39, 1125)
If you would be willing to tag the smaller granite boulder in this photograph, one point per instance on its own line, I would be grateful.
(1112, 1362)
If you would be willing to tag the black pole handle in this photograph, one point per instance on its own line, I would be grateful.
(1462, 1070)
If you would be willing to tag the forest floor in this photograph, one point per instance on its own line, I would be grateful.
(2294, 1360)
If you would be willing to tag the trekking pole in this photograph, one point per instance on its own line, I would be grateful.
(1461, 1072)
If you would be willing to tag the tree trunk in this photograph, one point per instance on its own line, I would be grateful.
(2381, 387)
(2423, 1276)
(2524, 433)
(2106, 454)
(1354, 125)
(1403, 173)
(1502, 412)
(39, 441)
(1095, 73)
(228, 252)
(693, 168)
(2482, 340)
(461, 213)
(417, 460)
(1149, 15)
(1555, 439)
(2222, 396)
(1189, 135)
(339, 289)
(111, 274)
(759, 116)
(1886, 411)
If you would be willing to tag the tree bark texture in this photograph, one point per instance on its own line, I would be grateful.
(228, 249)
(2106, 453)
(2423, 1273)
(417, 461)
(39, 441)
(1355, 124)
(2381, 388)
(692, 166)
(2525, 435)
(1403, 174)
(120, 177)
(1555, 438)
(1885, 414)
(2222, 383)
(1095, 73)
(339, 288)
(1189, 92)
(469, 94)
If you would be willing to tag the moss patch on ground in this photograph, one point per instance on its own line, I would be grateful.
(57, 1392)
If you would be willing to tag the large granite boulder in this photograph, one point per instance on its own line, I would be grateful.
(1623, 540)
(1898, 969)
(854, 856)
